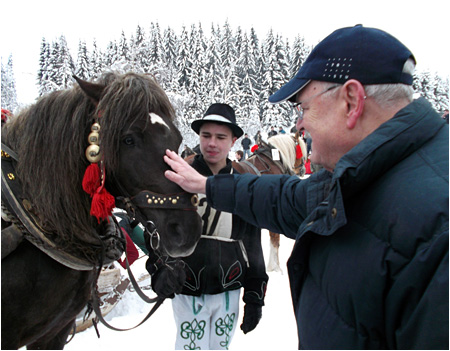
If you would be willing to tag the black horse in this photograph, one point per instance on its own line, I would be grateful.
(48, 148)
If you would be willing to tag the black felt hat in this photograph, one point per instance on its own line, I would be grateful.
(219, 113)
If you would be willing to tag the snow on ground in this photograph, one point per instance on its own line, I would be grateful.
(276, 330)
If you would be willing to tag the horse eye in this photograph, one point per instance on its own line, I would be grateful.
(128, 141)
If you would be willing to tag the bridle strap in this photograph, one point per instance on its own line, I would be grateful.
(178, 201)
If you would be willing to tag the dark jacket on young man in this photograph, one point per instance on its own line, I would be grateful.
(369, 269)
(226, 258)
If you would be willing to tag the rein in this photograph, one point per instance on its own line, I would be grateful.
(96, 303)
(133, 205)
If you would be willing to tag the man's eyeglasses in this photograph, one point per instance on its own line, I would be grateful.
(297, 107)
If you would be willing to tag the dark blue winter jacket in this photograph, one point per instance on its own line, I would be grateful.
(369, 269)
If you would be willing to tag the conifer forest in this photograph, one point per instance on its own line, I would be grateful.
(197, 67)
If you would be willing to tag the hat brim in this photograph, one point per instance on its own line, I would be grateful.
(196, 125)
(289, 90)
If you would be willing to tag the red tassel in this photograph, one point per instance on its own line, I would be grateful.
(298, 150)
(102, 204)
(91, 179)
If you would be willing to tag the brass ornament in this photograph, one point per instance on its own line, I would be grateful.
(93, 153)
(93, 138)
(95, 127)
(194, 200)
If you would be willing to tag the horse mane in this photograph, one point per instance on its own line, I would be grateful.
(286, 145)
(50, 138)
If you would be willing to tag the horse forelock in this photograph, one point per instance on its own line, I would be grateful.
(130, 100)
(286, 145)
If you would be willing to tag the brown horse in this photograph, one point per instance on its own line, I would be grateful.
(287, 161)
(47, 279)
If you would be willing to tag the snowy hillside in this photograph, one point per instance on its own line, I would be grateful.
(276, 330)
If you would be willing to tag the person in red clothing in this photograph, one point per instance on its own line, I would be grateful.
(308, 166)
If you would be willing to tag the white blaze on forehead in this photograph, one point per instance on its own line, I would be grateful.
(154, 118)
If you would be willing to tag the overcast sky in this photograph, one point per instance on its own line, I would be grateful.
(422, 26)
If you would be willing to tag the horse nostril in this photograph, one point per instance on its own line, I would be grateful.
(176, 233)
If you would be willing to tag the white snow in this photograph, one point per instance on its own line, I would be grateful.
(277, 329)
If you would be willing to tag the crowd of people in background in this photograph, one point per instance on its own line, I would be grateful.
(249, 146)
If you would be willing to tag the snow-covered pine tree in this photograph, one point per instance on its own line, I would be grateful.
(182, 60)
(299, 53)
(66, 65)
(96, 62)
(170, 52)
(8, 86)
(83, 67)
(43, 78)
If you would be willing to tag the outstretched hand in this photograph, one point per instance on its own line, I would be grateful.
(183, 174)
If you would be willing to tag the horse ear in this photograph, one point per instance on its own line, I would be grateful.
(92, 90)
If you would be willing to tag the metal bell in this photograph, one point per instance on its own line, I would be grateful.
(95, 127)
(93, 138)
(93, 153)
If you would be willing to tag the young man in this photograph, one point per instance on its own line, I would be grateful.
(227, 258)
(369, 269)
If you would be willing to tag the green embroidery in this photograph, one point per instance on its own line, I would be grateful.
(193, 331)
(227, 301)
(199, 306)
(225, 326)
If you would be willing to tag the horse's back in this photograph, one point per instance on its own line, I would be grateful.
(36, 304)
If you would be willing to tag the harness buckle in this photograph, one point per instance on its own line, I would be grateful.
(155, 238)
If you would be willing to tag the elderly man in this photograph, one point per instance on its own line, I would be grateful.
(369, 268)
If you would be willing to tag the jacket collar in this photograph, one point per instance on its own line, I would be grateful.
(202, 167)
(393, 141)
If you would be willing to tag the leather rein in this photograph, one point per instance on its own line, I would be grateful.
(133, 205)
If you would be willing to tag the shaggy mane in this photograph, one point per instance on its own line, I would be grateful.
(50, 138)
(286, 145)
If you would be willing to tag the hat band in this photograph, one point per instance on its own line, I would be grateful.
(217, 118)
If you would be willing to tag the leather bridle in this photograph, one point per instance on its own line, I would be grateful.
(147, 199)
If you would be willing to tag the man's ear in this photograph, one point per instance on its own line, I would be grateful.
(354, 96)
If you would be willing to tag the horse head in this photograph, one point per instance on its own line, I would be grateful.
(136, 123)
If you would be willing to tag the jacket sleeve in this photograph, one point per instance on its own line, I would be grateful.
(274, 202)
(256, 279)
(417, 304)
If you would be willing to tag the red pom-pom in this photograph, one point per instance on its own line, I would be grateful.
(254, 148)
(298, 151)
(91, 179)
(102, 204)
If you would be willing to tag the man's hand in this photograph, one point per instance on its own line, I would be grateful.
(183, 174)
(169, 279)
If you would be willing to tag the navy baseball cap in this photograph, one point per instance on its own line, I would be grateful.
(368, 55)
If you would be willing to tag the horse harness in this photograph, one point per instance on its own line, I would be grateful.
(25, 224)
(265, 152)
